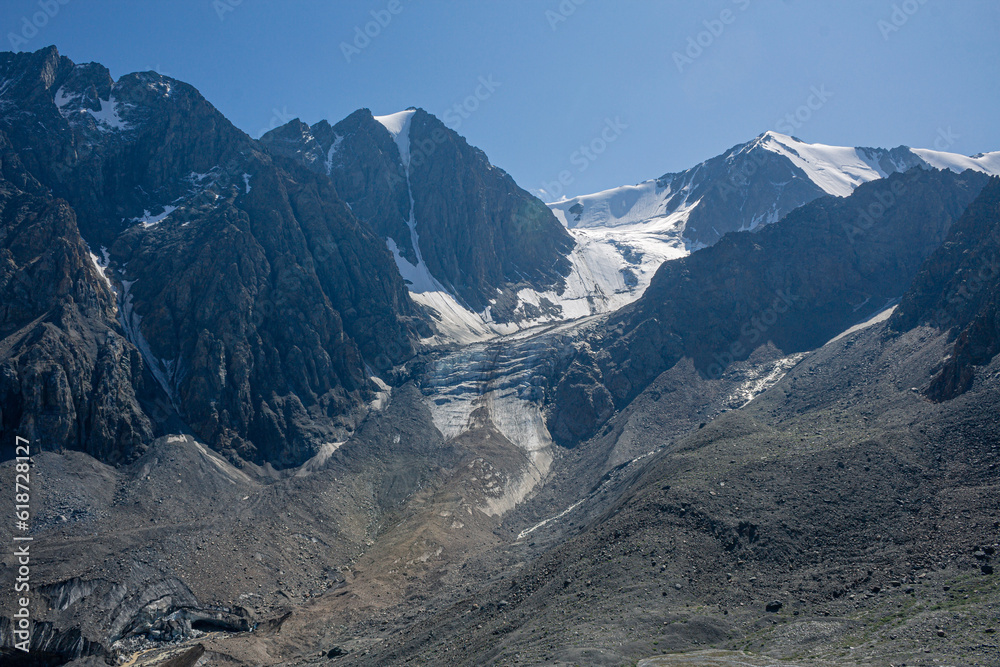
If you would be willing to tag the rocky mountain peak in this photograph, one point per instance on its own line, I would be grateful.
(452, 217)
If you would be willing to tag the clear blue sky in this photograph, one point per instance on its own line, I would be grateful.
(556, 83)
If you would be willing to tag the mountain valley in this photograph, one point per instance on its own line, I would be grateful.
(346, 394)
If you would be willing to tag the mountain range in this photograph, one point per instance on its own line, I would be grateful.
(347, 394)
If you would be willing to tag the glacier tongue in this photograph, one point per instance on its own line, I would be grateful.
(499, 383)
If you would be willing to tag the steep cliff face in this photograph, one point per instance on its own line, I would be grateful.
(363, 161)
(440, 203)
(796, 283)
(260, 305)
(479, 231)
(958, 290)
(68, 377)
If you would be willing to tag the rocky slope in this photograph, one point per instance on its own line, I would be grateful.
(839, 518)
(257, 300)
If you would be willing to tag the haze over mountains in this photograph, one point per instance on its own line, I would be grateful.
(348, 394)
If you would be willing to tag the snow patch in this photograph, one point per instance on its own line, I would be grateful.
(646, 202)
(383, 394)
(524, 533)
(246, 182)
(102, 265)
(398, 125)
(108, 118)
(166, 372)
(233, 474)
(881, 316)
(761, 378)
(62, 99)
(334, 147)
(319, 460)
(148, 220)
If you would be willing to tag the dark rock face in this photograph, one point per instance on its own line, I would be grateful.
(362, 159)
(478, 231)
(737, 191)
(112, 149)
(253, 294)
(68, 377)
(270, 309)
(796, 283)
(957, 289)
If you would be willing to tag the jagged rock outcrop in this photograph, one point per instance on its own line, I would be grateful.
(478, 232)
(958, 290)
(363, 161)
(68, 377)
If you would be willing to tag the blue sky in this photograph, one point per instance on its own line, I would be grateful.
(656, 86)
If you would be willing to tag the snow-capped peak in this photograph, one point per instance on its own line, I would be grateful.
(751, 184)
(835, 169)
